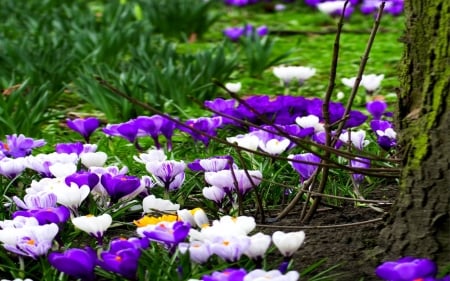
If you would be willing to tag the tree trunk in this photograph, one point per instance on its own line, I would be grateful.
(419, 223)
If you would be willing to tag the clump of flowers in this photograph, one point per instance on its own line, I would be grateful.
(409, 268)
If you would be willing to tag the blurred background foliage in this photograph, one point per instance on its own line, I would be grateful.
(165, 53)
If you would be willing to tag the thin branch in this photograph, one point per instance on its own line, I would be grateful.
(321, 226)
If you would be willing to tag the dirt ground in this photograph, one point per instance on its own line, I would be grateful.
(349, 247)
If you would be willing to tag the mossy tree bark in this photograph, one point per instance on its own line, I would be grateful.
(419, 223)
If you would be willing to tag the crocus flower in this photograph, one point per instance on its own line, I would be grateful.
(76, 147)
(12, 167)
(83, 178)
(48, 215)
(234, 33)
(195, 217)
(376, 108)
(39, 200)
(127, 130)
(93, 225)
(207, 125)
(288, 243)
(199, 251)
(259, 243)
(120, 186)
(259, 274)
(306, 170)
(93, 159)
(233, 87)
(61, 170)
(356, 138)
(359, 162)
(247, 141)
(406, 269)
(236, 180)
(310, 121)
(335, 8)
(150, 156)
(84, 126)
(166, 172)
(171, 236)
(152, 204)
(156, 125)
(41, 163)
(226, 275)
(369, 82)
(72, 196)
(122, 257)
(230, 248)
(19, 146)
(214, 193)
(77, 263)
(212, 164)
(293, 73)
(30, 241)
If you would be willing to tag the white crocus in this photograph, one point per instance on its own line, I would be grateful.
(369, 82)
(213, 193)
(310, 121)
(330, 7)
(93, 159)
(262, 275)
(152, 204)
(357, 138)
(259, 243)
(62, 170)
(302, 73)
(195, 217)
(93, 225)
(288, 243)
(150, 156)
(12, 167)
(274, 146)
(247, 141)
(289, 73)
(233, 87)
(389, 132)
(72, 196)
(31, 240)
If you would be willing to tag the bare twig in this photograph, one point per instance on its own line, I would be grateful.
(321, 226)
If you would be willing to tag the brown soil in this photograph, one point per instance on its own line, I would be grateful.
(351, 247)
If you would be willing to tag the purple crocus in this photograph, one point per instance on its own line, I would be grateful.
(171, 236)
(19, 146)
(202, 128)
(406, 269)
(127, 130)
(156, 125)
(119, 186)
(234, 33)
(83, 178)
(376, 108)
(167, 172)
(84, 126)
(359, 162)
(48, 215)
(77, 263)
(306, 170)
(212, 164)
(229, 274)
(122, 258)
(69, 148)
